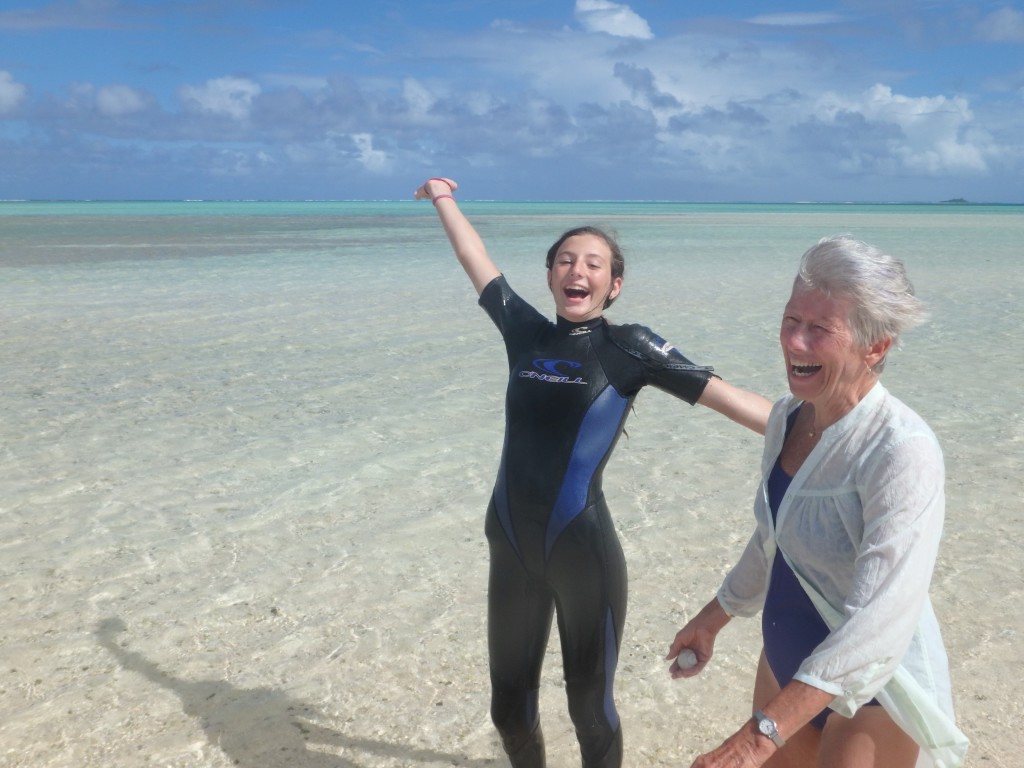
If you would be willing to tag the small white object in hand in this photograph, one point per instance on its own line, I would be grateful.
(686, 659)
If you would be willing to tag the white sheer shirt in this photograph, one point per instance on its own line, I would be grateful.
(860, 525)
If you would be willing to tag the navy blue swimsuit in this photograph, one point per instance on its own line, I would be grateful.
(554, 550)
(790, 624)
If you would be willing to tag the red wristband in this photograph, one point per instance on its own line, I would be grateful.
(442, 197)
(438, 178)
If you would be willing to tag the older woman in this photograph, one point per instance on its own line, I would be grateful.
(849, 515)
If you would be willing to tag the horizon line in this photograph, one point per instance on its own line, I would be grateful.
(952, 201)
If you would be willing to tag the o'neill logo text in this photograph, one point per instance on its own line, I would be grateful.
(550, 373)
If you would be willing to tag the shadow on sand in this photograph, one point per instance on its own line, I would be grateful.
(230, 717)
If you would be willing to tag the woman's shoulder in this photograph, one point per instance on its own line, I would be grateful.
(899, 419)
(892, 433)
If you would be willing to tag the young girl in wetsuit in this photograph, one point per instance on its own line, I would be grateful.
(553, 548)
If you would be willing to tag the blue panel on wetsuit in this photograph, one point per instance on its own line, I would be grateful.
(597, 433)
(611, 660)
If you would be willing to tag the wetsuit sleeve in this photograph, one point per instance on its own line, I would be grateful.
(663, 365)
(505, 307)
(517, 321)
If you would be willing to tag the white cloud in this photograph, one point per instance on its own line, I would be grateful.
(933, 128)
(796, 19)
(229, 96)
(418, 98)
(237, 163)
(11, 92)
(117, 100)
(702, 102)
(1003, 26)
(507, 25)
(371, 159)
(612, 18)
(479, 102)
(707, 102)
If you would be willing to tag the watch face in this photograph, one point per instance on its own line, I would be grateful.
(768, 728)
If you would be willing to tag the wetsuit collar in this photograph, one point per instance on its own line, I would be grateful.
(575, 329)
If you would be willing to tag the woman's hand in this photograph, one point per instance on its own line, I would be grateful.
(689, 638)
(699, 636)
(744, 749)
(431, 188)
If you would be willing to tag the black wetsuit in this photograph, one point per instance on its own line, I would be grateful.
(550, 534)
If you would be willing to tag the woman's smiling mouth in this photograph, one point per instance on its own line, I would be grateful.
(805, 369)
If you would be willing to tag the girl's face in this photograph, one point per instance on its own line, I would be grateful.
(825, 365)
(581, 279)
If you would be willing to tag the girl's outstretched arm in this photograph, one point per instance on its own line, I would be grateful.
(741, 406)
(469, 248)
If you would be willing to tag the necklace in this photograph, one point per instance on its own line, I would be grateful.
(812, 432)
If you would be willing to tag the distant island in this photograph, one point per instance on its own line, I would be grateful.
(955, 200)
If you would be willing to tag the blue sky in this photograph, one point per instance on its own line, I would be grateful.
(861, 100)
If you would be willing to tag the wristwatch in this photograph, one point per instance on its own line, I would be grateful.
(768, 728)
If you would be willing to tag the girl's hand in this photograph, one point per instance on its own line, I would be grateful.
(431, 188)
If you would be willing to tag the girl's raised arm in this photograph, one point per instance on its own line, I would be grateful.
(469, 248)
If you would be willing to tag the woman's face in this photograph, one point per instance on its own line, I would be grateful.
(581, 279)
(824, 363)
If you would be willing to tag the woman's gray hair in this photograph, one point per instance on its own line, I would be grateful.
(884, 304)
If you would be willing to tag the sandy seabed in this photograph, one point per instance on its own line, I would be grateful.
(235, 531)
